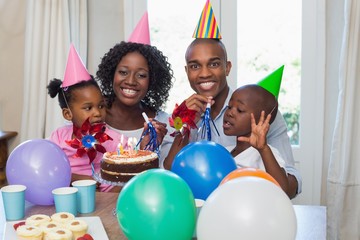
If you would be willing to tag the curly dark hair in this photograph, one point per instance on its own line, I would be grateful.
(160, 73)
(54, 88)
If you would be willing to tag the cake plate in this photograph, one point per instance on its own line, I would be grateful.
(97, 177)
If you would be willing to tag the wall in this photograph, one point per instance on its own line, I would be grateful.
(105, 29)
(12, 32)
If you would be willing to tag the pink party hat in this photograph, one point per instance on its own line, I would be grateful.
(207, 26)
(141, 33)
(75, 70)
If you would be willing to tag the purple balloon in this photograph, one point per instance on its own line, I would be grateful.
(41, 166)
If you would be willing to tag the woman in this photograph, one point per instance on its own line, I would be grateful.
(136, 78)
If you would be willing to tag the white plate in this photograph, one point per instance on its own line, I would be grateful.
(96, 229)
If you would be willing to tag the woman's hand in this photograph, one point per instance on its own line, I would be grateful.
(160, 129)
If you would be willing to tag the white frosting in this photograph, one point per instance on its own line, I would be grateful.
(62, 217)
(37, 219)
(112, 157)
(118, 173)
(29, 232)
(48, 226)
(59, 234)
(77, 225)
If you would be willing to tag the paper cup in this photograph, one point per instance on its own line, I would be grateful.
(85, 195)
(198, 203)
(14, 201)
(65, 199)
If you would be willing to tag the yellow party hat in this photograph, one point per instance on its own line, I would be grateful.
(207, 26)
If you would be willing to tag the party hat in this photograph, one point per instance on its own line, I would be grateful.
(141, 33)
(272, 82)
(207, 26)
(75, 70)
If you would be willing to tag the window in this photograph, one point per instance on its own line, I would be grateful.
(171, 32)
(268, 37)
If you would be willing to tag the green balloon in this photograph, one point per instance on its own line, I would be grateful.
(156, 205)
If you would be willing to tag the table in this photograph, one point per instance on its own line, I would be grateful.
(4, 137)
(311, 220)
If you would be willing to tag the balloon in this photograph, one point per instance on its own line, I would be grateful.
(156, 205)
(41, 166)
(203, 165)
(247, 208)
(246, 172)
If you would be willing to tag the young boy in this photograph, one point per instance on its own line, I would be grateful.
(245, 119)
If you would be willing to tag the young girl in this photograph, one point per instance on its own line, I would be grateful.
(245, 118)
(81, 100)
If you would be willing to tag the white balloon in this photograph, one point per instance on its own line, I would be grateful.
(247, 208)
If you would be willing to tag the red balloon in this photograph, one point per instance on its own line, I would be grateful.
(246, 172)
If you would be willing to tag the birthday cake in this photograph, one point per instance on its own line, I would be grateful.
(121, 167)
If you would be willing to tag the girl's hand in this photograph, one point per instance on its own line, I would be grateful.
(257, 138)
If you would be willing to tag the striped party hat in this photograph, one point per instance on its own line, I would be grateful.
(207, 26)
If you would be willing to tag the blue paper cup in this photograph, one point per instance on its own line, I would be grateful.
(65, 199)
(85, 195)
(14, 201)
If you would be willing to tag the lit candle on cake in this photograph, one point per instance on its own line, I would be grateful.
(120, 149)
(131, 145)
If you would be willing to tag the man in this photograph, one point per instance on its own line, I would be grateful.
(207, 69)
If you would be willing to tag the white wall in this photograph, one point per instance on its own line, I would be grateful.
(12, 32)
(106, 28)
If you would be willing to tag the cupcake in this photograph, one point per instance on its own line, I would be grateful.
(62, 217)
(37, 219)
(59, 234)
(27, 232)
(77, 227)
(49, 226)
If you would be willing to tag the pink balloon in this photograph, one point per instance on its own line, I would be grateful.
(41, 166)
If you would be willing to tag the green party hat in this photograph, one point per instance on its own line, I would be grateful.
(272, 82)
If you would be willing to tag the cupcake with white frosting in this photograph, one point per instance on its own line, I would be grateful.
(37, 219)
(28, 232)
(78, 227)
(59, 234)
(62, 217)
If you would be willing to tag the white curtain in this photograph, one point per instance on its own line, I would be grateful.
(343, 184)
(51, 26)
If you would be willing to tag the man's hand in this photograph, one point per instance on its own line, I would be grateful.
(198, 103)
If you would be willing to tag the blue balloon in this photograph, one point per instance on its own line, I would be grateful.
(203, 165)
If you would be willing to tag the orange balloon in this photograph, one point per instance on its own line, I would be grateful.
(248, 172)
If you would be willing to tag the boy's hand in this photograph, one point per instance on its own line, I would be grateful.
(257, 138)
